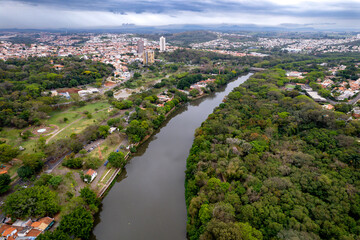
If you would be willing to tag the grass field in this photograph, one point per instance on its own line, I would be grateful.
(11, 136)
(81, 122)
(73, 114)
(107, 175)
(77, 120)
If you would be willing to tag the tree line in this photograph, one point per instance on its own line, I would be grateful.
(272, 164)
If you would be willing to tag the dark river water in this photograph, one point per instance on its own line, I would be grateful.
(148, 200)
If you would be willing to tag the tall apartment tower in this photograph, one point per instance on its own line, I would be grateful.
(140, 47)
(148, 57)
(162, 44)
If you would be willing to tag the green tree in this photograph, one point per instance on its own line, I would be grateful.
(25, 172)
(37, 201)
(325, 93)
(88, 195)
(136, 75)
(104, 131)
(109, 93)
(7, 153)
(74, 163)
(35, 161)
(4, 182)
(343, 107)
(194, 92)
(135, 131)
(92, 162)
(55, 235)
(55, 181)
(114, 122)
(78, 223)
(116, 159)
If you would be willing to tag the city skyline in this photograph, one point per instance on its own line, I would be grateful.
(38, 14)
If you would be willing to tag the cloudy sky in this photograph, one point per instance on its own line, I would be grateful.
(101, 13)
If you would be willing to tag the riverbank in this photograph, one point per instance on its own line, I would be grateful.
(107, 187)
(152, 183)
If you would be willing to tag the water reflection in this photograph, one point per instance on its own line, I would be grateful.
(147, 201)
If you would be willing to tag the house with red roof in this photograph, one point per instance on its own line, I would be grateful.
(92, 174)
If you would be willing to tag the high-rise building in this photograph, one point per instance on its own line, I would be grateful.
(148, 57)
(162, 44)
(140, 47)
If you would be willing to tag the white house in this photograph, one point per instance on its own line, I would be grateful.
(92, 174)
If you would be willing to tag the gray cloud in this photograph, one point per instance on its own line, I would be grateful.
(344, 9)
(60, 13)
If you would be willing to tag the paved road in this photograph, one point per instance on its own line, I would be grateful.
(352, 101)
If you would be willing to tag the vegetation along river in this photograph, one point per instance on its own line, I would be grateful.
(147, 201)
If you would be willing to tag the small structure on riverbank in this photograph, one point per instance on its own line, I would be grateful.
(92, 174)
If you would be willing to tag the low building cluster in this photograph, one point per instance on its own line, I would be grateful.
(293, 45)
(202, 85)
(24, 229)
(341, 89)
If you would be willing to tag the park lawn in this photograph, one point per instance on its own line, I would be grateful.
(77, 120)
(11, 136)
(106, 175)
(290, 86)
(92, 107)
(57, 118)
(145, 81)
(74, 113)
(30, 146)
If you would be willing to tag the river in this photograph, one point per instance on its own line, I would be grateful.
(148, 200)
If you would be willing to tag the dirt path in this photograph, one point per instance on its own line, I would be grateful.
(56, 133)
(59, 131)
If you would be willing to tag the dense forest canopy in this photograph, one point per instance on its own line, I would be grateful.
(42, 72)
(272, 164)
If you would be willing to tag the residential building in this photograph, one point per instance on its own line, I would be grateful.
(65, 95)
(87, 93)
(58, 66)
(43, 224)
(356, 112)
(92, 174)
(162, 44)
(148, 57)
(140, 47)
(327, 83)
(348, 93)
(328, 107)
(294, 74)
(25, 229)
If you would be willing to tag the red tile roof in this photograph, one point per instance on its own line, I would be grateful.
(4, 227)
(90, 172)
(8, 231)
(33, 233)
